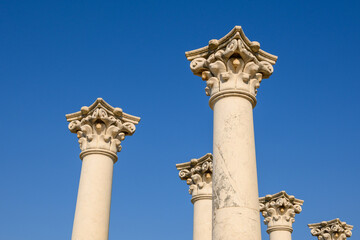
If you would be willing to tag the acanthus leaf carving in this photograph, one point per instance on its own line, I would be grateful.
(280, 209)
(331, 230)
(232, 63)
(198, 174)
(101, 126)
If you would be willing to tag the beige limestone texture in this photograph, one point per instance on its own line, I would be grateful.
(92, 212)
(232, 65)
(233, 68)
(279, 212)
(100, 129)
(198, 175)
(331, 230)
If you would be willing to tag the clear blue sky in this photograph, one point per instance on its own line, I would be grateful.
(57, 56)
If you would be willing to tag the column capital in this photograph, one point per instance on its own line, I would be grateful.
(231, 66)
(198, 174)
(100, 128)
(279, 211)
(331, 230)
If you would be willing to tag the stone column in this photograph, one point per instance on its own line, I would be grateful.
(279, 212)
(233, 68)
(100, 129)
(197, 174)
(331, 230)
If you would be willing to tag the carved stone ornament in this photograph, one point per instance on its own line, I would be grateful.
(101, 127)
(331, 230)
(279, 210)
(232, 65)
(198, 174)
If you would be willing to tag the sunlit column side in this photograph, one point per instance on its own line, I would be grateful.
(197, 174)
(279, 212)
(233, 68)
(100, 129)
(331, 230)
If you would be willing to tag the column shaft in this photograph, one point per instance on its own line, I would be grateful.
(198, 174)
(233, 68)
(279, 212)
(235, 188)
(280, 235)
(100, 129)
(92, 212)
(202, 219)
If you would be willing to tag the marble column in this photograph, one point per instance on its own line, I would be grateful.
(100, 129)
(197, 174)
(233, 68)
(279, 212)
(331, 230)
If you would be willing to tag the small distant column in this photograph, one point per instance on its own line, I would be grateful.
(233, 68)
(279, 212)
(100, 129)
(331, 230)
(198, 174)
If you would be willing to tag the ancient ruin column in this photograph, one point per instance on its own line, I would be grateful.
(233, 68)
(279, 212)
(331, 230)
(100, 129)
(197, 174)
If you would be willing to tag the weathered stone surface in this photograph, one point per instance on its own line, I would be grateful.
(101, 126)
(100, 129)
(198, 175)
(279, 212)
(331, 230)
(231, 65)
(233, 68)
